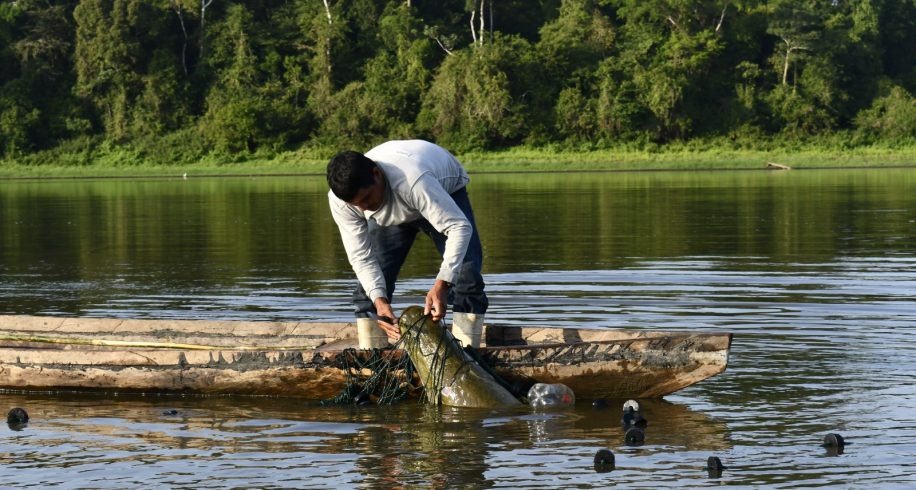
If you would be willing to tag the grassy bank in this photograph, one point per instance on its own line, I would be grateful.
(690, 156)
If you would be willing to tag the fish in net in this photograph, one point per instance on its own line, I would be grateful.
(435, 368)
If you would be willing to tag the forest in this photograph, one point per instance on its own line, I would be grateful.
(176, 81)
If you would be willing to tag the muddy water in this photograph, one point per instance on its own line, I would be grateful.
(814, 272)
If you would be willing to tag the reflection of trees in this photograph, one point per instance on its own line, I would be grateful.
(204, 233)
(572, 221)
(244, 223)
(180, 233)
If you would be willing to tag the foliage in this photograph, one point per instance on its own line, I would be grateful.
(890, 118)
(386, 102)
(186, 81)
(18, 119)
(475, 100)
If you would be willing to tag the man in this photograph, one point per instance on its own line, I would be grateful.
(380, 201)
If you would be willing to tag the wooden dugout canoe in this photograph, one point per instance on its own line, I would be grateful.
(311, 360)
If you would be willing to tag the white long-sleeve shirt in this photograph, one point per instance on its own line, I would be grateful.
(420, 177)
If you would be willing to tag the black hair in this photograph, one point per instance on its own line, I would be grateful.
(348, 172)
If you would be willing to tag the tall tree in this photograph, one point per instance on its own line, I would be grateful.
(476, 99)
(106, 61)
(571, 49)
(35, 47)
(797, 28)
(232, 122)
(386, 102)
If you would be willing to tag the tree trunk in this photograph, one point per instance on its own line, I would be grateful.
(203, 11)
(785, 66)
(184, 32)
(491, 20)
(327, 47)
(442, 46)
(327, 10)
(722, 17)
(482, 26)
(473, 34)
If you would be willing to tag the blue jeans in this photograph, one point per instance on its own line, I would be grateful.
(392, 243)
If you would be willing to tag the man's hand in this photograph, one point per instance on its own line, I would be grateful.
(386, 319)
(437, 300)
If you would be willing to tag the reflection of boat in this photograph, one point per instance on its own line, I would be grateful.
(670, 425)
(313, 360)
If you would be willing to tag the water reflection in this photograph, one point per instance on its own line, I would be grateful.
(814, 272)
(271, 441)
(267, 247)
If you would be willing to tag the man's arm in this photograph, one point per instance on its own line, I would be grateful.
(437, 300)
(387, 320)
(354, 231)
(438, 207)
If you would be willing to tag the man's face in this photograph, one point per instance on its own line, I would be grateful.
(371, 198)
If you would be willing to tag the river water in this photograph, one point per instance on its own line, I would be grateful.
(813, 271)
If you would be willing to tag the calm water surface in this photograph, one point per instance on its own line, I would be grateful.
(814, 272)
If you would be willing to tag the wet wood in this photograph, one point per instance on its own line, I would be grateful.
(310, 360)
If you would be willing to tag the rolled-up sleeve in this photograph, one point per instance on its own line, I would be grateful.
(438, 207)
(354, 232)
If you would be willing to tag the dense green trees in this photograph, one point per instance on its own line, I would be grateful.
(177, 80)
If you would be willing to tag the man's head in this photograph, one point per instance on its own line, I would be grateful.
(356, 179)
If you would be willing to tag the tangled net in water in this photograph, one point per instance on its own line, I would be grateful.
(390, 379)
(388, 376)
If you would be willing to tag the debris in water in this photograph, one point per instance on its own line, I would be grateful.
(632, 417)
(714, 467)
(551, 395)
(835, 444)
(634, 436)
(834, 440)
(604, 461)
(599, 404)
(17, 416)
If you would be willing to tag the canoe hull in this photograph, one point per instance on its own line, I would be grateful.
(312, 360)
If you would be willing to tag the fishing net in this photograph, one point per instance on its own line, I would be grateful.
(383, 378)
(386, 376)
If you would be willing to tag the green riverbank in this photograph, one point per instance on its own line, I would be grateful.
(520, 159)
